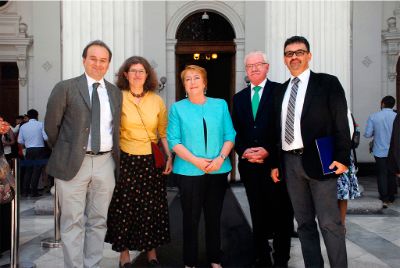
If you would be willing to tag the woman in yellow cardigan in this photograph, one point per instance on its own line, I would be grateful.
(138, 213)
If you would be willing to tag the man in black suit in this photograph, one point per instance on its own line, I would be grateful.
(270, 207)
(310, 106)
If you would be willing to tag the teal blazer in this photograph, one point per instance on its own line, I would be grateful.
(186, 127)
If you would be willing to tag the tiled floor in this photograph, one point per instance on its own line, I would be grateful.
(373, 240)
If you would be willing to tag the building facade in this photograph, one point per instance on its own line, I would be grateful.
(41, 43)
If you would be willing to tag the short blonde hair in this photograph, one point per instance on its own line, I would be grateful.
(194, 68)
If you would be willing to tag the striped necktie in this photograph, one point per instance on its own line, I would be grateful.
(289, 124)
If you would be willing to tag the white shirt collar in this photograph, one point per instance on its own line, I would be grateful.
(304, 76)
(262, 84)
(91, 81)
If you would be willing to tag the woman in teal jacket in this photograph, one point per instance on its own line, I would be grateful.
(201, 133)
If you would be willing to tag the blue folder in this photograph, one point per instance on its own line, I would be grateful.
(325, 150)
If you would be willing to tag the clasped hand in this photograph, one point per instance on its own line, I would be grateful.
(255, 155)
(209, 165)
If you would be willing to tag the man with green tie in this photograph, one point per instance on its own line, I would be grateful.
(270, 207)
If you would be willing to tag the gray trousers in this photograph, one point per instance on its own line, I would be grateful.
(312, 198)
(84, 202)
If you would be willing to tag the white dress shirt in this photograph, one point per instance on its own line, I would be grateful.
(260, 92)
(106, 125)
(301, 93)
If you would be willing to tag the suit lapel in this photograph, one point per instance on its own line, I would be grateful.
(265, 95)
(279, 100)
(83, 89)
(247, 110)
(311, 87)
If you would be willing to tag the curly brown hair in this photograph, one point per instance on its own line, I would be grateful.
(151, 83)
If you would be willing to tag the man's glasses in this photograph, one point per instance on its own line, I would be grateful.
(255, 65)
(298, 53)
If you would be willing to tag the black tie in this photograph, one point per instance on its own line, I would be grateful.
(95, 123)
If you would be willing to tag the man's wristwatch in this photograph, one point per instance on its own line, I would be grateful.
(223, 156)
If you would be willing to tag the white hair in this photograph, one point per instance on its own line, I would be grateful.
(254, 53)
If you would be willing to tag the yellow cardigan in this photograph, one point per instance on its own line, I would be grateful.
(133, 137)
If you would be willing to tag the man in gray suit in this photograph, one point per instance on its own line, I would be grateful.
(82, 124)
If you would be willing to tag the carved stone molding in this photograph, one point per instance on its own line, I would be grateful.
(391, 38)
(14, 44)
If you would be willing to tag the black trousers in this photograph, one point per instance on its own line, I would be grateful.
(33, 170)
(202, 193)
(387, 185)
(271, 213)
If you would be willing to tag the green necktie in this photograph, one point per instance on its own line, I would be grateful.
(255, 101)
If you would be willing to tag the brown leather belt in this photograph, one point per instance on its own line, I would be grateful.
(99, 153)
(296, 151)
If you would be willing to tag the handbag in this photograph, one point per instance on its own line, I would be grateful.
(158, 155)
(156, 148)
(7, 182)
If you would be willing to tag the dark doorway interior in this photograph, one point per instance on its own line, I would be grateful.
(9, 91)
(219, 75)
(206, 33)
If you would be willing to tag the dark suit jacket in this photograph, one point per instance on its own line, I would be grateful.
(250, 132)
(394, 149)
(67, 124)
(324, 114)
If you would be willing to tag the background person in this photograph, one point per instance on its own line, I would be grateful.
(33, 137)
(201, 133)
(82, 122)
(380, 126)
(394, 149)
(138, 213)
(347, 183)
(5, 209)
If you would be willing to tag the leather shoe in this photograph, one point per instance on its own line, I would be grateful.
(126, 265)
(154, 263)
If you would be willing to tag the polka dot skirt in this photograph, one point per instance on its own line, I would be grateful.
(138, 213)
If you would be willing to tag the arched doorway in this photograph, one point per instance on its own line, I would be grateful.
(9, 91)
(206, 38)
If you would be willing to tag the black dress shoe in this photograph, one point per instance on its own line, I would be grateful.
(154, 263)
(126, 265)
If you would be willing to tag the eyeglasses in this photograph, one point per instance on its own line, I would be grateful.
(138, 72)
(298, 53)
(257, 65)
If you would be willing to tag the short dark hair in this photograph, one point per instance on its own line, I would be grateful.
(151, 83)
(96, 43)
(297, 39)
(388, 101)
(33, 114)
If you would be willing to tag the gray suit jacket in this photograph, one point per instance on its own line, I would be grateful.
(67, 124)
